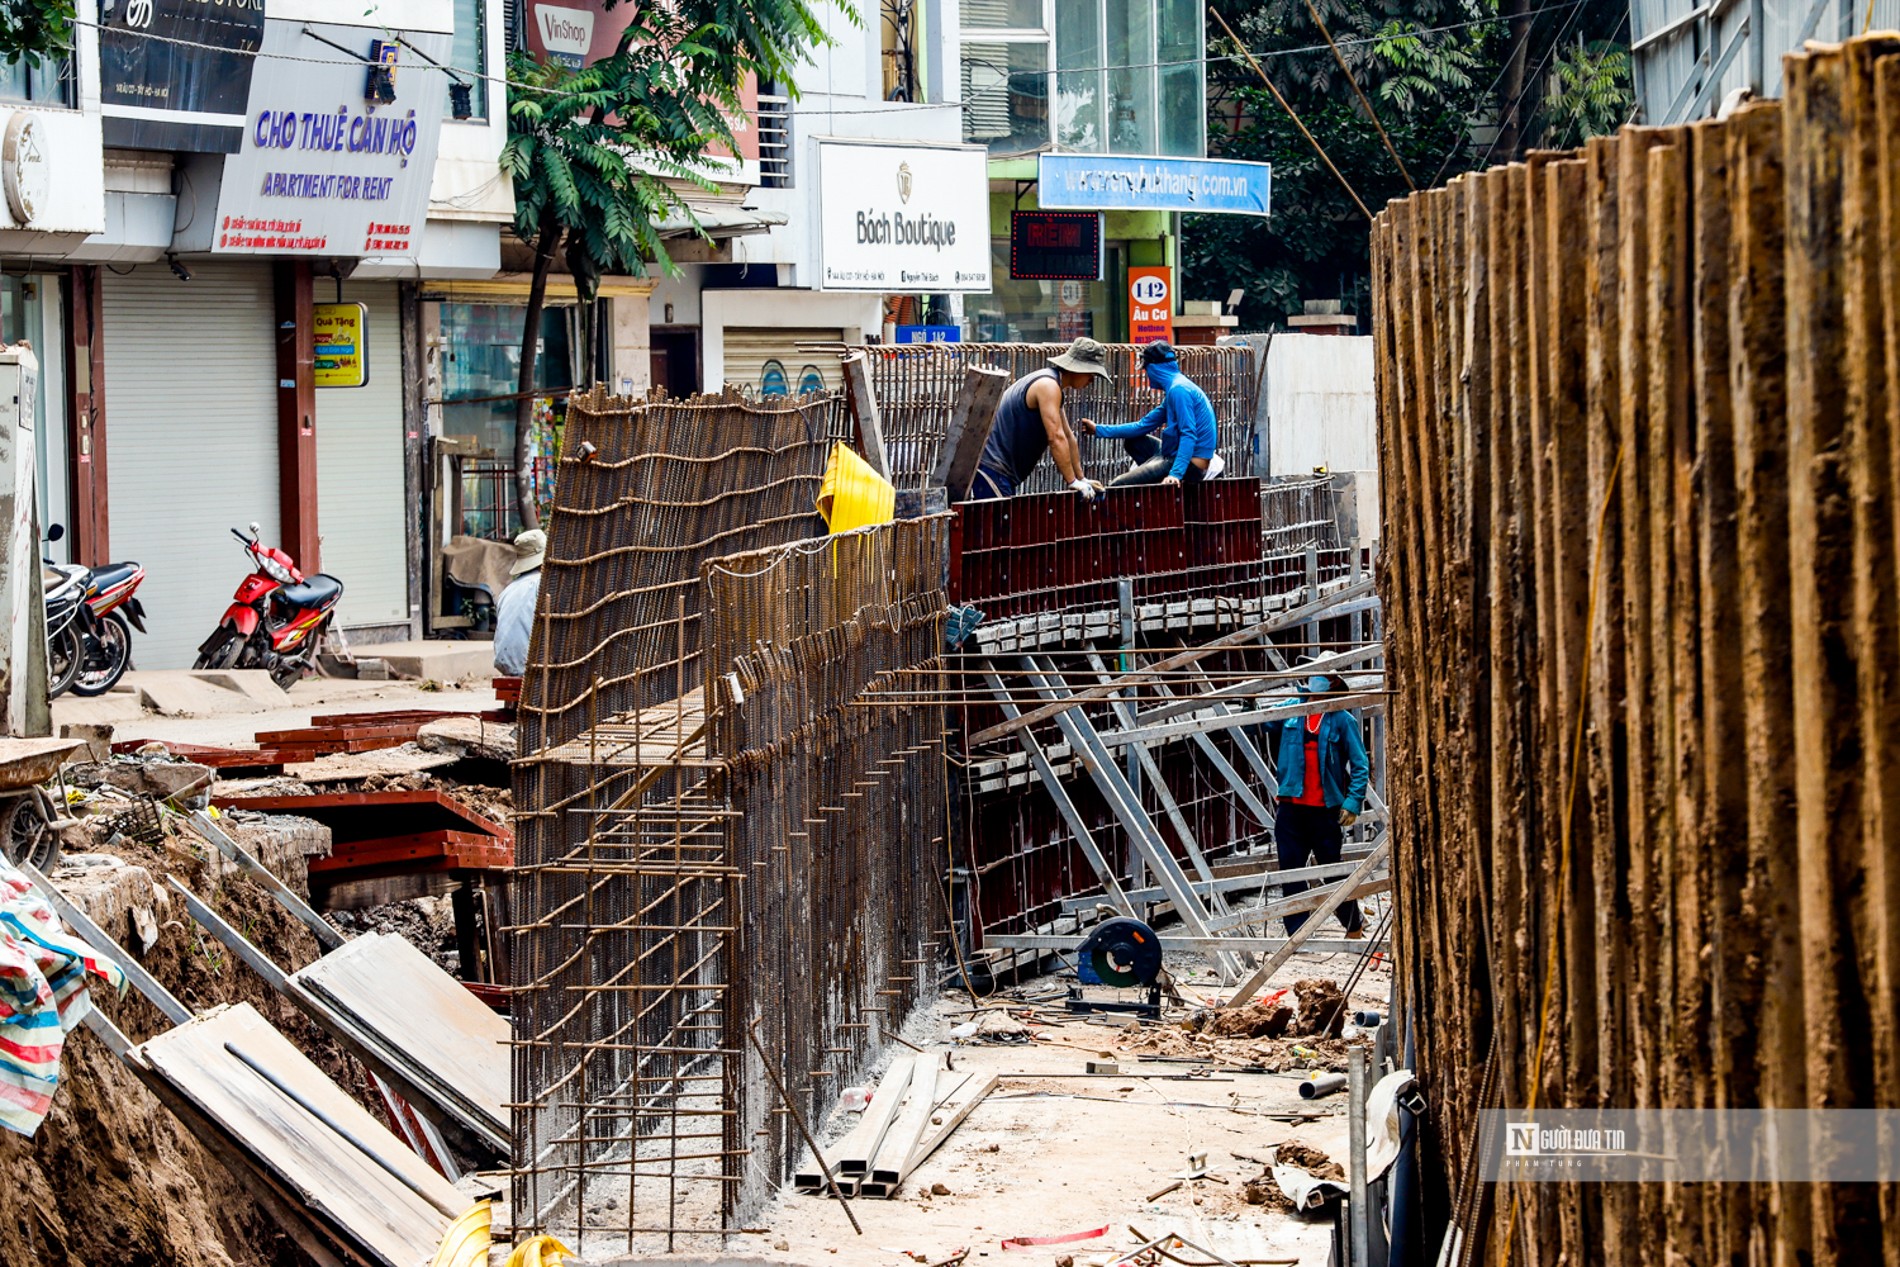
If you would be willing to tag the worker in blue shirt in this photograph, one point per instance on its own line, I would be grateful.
(1185, 418)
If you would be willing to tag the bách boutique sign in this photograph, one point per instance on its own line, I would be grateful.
(903, 218)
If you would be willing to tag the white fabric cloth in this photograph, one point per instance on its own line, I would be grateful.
(514, 621)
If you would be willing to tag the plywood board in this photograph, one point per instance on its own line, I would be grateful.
(421, 1016)
(386, 1216)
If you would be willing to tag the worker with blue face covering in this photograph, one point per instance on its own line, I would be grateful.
(1184, 451)
(1323, 777)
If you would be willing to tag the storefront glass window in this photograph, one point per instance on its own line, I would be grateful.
(1079, 75)
(1131, 78)
(1003, 15)
(1127, 77)
(1006, 95)
(1041, 311)
(49, 83)
(467, 55)
(481, 365)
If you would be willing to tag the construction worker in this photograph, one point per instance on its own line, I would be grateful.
(1030, 422)
(514, 610)
(1323, 778)
(1184, 452)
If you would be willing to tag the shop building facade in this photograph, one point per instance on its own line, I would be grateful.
(278, 184)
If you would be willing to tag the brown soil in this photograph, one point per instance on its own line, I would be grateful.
(112, 1179)
(1293, 1153)
(1256, 1020)
(1322, 1007)
(1274, 1055)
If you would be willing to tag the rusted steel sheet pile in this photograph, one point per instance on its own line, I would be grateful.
(917, 385)
(1638, 460)
(709, 832)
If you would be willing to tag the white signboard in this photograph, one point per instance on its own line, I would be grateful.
(337, 155)
(903, 218)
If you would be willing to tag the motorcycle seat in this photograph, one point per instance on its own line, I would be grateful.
(104, 578)
(314, 592)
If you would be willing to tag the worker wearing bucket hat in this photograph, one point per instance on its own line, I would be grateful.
(1030, 422)
(1324, 773)
(514, 610)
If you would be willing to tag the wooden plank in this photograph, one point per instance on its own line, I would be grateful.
(851, 1156)
(972, 417)
(398, 1220)
(863, 404)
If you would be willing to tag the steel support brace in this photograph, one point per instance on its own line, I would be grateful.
(1066, 807)
(1087, 746)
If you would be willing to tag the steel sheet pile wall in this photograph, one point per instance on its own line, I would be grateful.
(839, 810)
(1638, 449)
(917, 383)
(626, 896)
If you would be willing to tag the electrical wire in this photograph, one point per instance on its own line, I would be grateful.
(1357, 92)
(967, 36)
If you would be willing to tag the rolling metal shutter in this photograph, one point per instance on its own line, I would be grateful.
(360, 490)
(766, 359)
(191, 439)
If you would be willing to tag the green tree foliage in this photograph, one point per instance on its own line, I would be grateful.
(35, 30)
(1439, 74)
(1591, 93)
(598, 155)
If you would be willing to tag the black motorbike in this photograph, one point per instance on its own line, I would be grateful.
(90, 615)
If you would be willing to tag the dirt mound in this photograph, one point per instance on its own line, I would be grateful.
(1255, 1020)
(112, 1179)
(1322, 1007)
(1309, 1159)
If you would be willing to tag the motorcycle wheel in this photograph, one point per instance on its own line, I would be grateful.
(287, 673)
(26, 834)
(223, 654)
(107, 659)
(65, 655)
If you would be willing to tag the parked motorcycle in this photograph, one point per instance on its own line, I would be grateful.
(90, 614)
(276, 620)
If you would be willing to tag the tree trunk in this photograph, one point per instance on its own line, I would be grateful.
(1511, 88)
(544, 247)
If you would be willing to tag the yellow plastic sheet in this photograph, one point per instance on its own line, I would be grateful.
(852, 494)
(540, 1251)
(466, 1243)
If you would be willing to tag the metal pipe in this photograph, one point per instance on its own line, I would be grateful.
(1356, 1155)
(1321, 1086)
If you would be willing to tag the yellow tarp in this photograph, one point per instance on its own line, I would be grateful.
(853, 495)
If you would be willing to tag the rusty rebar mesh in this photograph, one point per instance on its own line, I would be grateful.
(840, 811)
(916, 386)
(668, 485)
(656, 878)
(1637, 454)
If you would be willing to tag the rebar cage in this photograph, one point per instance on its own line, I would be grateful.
(695, 808)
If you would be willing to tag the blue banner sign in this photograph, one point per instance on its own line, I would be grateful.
(1114, 182)
(929, 334)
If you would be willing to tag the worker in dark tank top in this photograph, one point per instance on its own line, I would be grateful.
(1030, 422)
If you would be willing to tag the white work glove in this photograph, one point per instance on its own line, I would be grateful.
(1089, 489)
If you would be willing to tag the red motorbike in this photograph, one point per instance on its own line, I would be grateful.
(276, 620)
